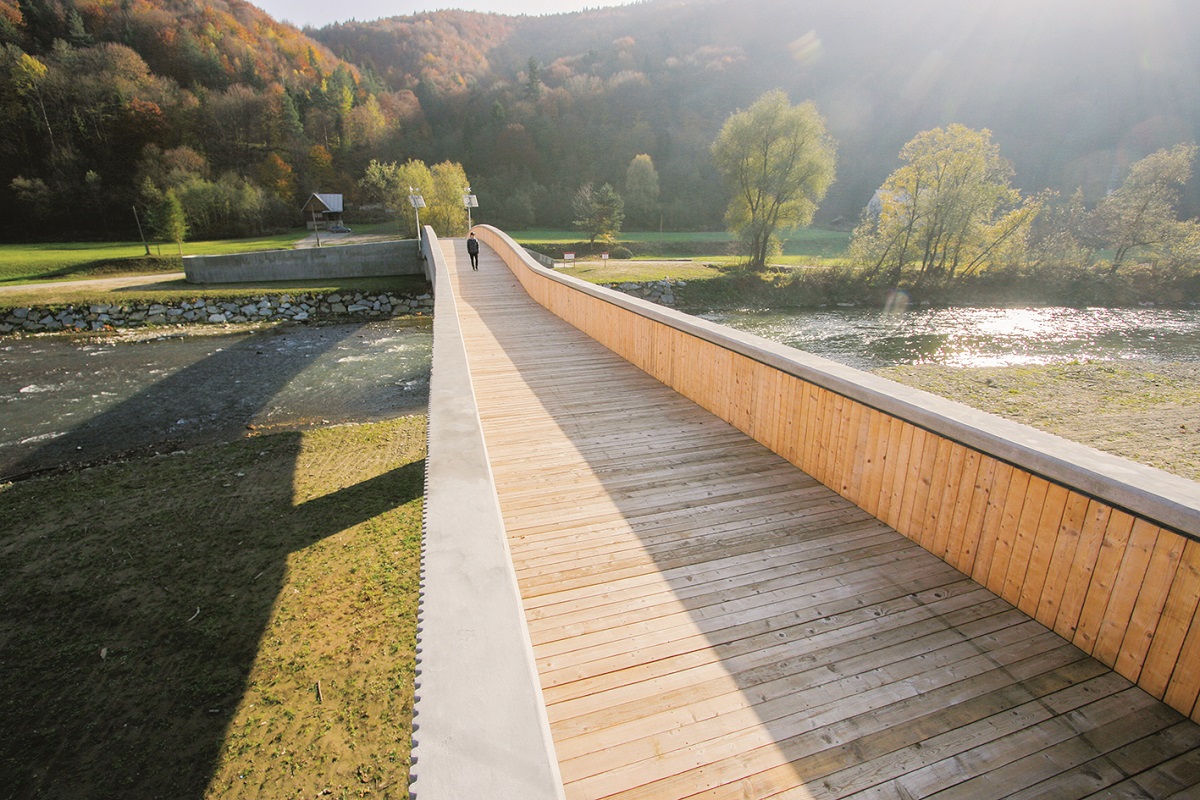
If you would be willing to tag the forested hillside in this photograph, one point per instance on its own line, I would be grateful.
(102, 102)
(100, 96)
(1073, 90)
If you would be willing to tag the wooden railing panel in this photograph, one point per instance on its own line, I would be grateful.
(1122, 587)
(1063, 555)
(1150, 603)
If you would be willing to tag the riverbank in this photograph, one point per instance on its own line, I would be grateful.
(1146, 411)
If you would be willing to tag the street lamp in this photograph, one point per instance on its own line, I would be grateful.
(417, 202)
(469, 201)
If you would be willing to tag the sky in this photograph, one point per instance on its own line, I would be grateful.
(323, 12)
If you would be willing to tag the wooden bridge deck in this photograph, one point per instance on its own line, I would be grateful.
(708, 621)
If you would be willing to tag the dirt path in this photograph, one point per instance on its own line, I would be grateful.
(154, 281)
(1147, 411)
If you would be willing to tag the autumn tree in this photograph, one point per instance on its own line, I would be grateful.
(599, 213)
(441, 187)
(778, 162)
(948, 211)
(641, 191)
(1140, 214)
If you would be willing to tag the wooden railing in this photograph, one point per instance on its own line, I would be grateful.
(1103, 551)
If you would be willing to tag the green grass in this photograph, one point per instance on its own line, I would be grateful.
(24, 263)
(614, 271)
(168, 619)
(804, 242)
(712, 251)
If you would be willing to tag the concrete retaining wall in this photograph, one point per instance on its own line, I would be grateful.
(373, 260)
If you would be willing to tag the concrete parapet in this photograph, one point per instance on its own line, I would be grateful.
(371, 260)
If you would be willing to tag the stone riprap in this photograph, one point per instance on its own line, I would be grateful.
(664, 292)
(263, 308)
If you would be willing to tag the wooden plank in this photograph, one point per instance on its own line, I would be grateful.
(1178, 617)
(1100, 591)
(992, 523)
(1016, 498)
(939, 514)
(1127, 587)
(888, 461)
(1010, 577)
(1081, 569)
(875, 453)
(1043, 542)
(1147, 614)
(1065, 545)
(916, 481)
(957, 538)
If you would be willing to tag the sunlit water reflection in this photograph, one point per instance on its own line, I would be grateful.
(978, 337)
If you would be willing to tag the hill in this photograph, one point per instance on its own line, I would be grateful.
(103, 101)
(1073, 90)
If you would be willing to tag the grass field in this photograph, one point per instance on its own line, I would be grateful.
(803, 243)
(74, 260)
(237, 621)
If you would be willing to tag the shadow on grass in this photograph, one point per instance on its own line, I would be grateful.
(136, 596)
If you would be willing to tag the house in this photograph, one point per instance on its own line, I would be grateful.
(323, 210)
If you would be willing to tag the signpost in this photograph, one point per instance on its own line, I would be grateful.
(469, 201)
(417, 202)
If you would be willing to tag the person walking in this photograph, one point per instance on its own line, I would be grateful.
(473, 250)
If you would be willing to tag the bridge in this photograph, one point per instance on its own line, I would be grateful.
(663, 559)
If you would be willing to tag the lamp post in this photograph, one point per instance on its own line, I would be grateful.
(469, 201)
(417, 202)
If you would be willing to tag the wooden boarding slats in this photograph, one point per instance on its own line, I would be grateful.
(1149, 605)
(1079, 571)
(1043, 544)
(1179, 611)
(951, 507)
(1011, 573)
(892, 491)
(1104, 578)
(926, 515)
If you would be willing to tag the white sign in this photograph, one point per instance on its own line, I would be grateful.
(604, 256)
(568, 256)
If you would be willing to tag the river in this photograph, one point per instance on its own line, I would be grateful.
(80, 399)
(978, 337)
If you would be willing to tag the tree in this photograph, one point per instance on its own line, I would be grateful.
(441, 187)
(533, 82)
(598, 212)
(641, 191)
(948, 211)
(778, 161)
(446, 212)
(1141, 213)
(169, 221)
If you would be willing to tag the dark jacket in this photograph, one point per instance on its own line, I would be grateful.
(473, 246)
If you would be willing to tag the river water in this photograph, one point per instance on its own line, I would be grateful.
(978, 337)
(73, 400)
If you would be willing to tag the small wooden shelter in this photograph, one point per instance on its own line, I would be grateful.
(323, 210)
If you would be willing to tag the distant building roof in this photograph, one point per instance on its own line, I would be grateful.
(324, 203)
